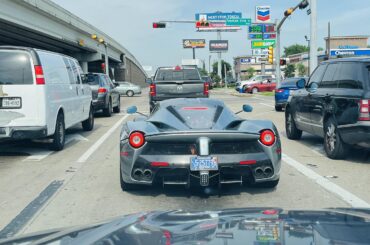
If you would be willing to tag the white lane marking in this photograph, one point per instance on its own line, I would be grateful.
(345, 195)
(98, 143)
(37, 155)
(267, 105)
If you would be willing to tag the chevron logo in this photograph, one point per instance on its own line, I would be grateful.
(263, 13)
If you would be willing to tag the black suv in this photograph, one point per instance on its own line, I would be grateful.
(335, 105)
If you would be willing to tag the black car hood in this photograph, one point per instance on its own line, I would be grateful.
(263, 226)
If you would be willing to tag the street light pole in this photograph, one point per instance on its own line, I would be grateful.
(106, 59)
(209, 64)
(308, 43)
(313, 38)
(219, 57)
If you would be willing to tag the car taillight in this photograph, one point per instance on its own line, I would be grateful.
(267, 137)
(152, 90)
(364, 110)
(279, 90)
(137, 139)
(206, 89)
(39, 73)
(102, 90)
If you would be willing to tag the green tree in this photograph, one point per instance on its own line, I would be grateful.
(289, 70)
(203, 72)
(215, 67)
(295, 49)
(250, 72)
(216, 78)
(302, 70)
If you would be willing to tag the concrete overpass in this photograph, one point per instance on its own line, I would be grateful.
(45, 25)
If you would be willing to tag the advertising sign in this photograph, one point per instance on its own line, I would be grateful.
(349, 52)
(258, 44)
(262, 36)
(218, 45)
(263, 14)
(218, 16)
(238, 22)
(260, 52)
(261, 28)
(194, 43)
(217, 21)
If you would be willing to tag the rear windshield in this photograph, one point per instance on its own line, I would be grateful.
(368, 76)
(92, 79)
(172, 75)
(15, 68)
(289, 82)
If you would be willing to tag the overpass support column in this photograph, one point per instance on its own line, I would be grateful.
(85, 66)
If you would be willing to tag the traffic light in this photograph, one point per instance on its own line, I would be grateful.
(159, 25)
(201, 24)
(303, 4)
(288, 12)
(282, 62)
(270, 57)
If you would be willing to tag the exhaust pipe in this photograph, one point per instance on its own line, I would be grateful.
(147, 173)
(258, 172)
(268, 171)
(138, 173)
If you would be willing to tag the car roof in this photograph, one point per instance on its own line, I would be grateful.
(349, 59)
(173, 67)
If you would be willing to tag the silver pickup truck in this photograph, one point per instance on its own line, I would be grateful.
(176, 82)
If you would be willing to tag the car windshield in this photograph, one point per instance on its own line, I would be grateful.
(173, 75)
(15, 68)
(185, 122)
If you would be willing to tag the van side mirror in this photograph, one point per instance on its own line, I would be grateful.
(149, 80)
(301, 83)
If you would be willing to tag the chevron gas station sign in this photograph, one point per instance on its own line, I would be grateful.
(263, 14)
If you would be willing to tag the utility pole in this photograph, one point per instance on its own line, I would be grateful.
(193, 53)
(106, 59)
(313, 38)
(277, 55)
(219, 56)
(328, 49)
(308, 43)
(225, 75)
(209, 64)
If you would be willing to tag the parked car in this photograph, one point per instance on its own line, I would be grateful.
(208, 79)
(176, 82)
(198, 142)
(41, 95)
(255, 79)
(283, 92)
(335, 105)
(127, 88)
(265, 85)
(105, 95)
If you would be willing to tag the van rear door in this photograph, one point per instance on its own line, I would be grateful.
(21, 99)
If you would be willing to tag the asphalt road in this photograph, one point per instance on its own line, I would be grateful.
(40, 189)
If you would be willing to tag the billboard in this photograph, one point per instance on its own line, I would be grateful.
(193, 43)
(217, 21)
(218, 45)
(263, 14)
(262, 44)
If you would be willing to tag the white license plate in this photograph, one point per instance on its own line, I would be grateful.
(11, 103)
(203, 163)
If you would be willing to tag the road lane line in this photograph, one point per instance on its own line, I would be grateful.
(267, 105)
(345, 195)
(36, 155)
(98, 143)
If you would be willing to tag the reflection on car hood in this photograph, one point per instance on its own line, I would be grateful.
(232, 226)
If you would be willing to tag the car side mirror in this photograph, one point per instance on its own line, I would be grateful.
(301, 83)
(149, 80)
(247, 108)
(131, 110)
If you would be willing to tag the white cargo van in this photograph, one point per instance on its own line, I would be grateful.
(41, 95)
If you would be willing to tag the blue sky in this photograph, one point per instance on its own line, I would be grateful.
(130, 23)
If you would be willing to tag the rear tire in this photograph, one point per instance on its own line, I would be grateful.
(88, 124)
(334, 146)
(117, 109)
(292, 132)
(130, 93)
(108, 111)
(58, 139)
(268, 184)
(278, 108)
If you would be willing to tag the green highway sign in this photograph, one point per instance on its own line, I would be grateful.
(263, 43)
(238, 22)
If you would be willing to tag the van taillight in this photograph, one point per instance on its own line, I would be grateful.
(206, 89)
(39, 73)
(364, 110)
(152, 90)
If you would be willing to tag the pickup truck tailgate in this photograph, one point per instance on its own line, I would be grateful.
(179, 88)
